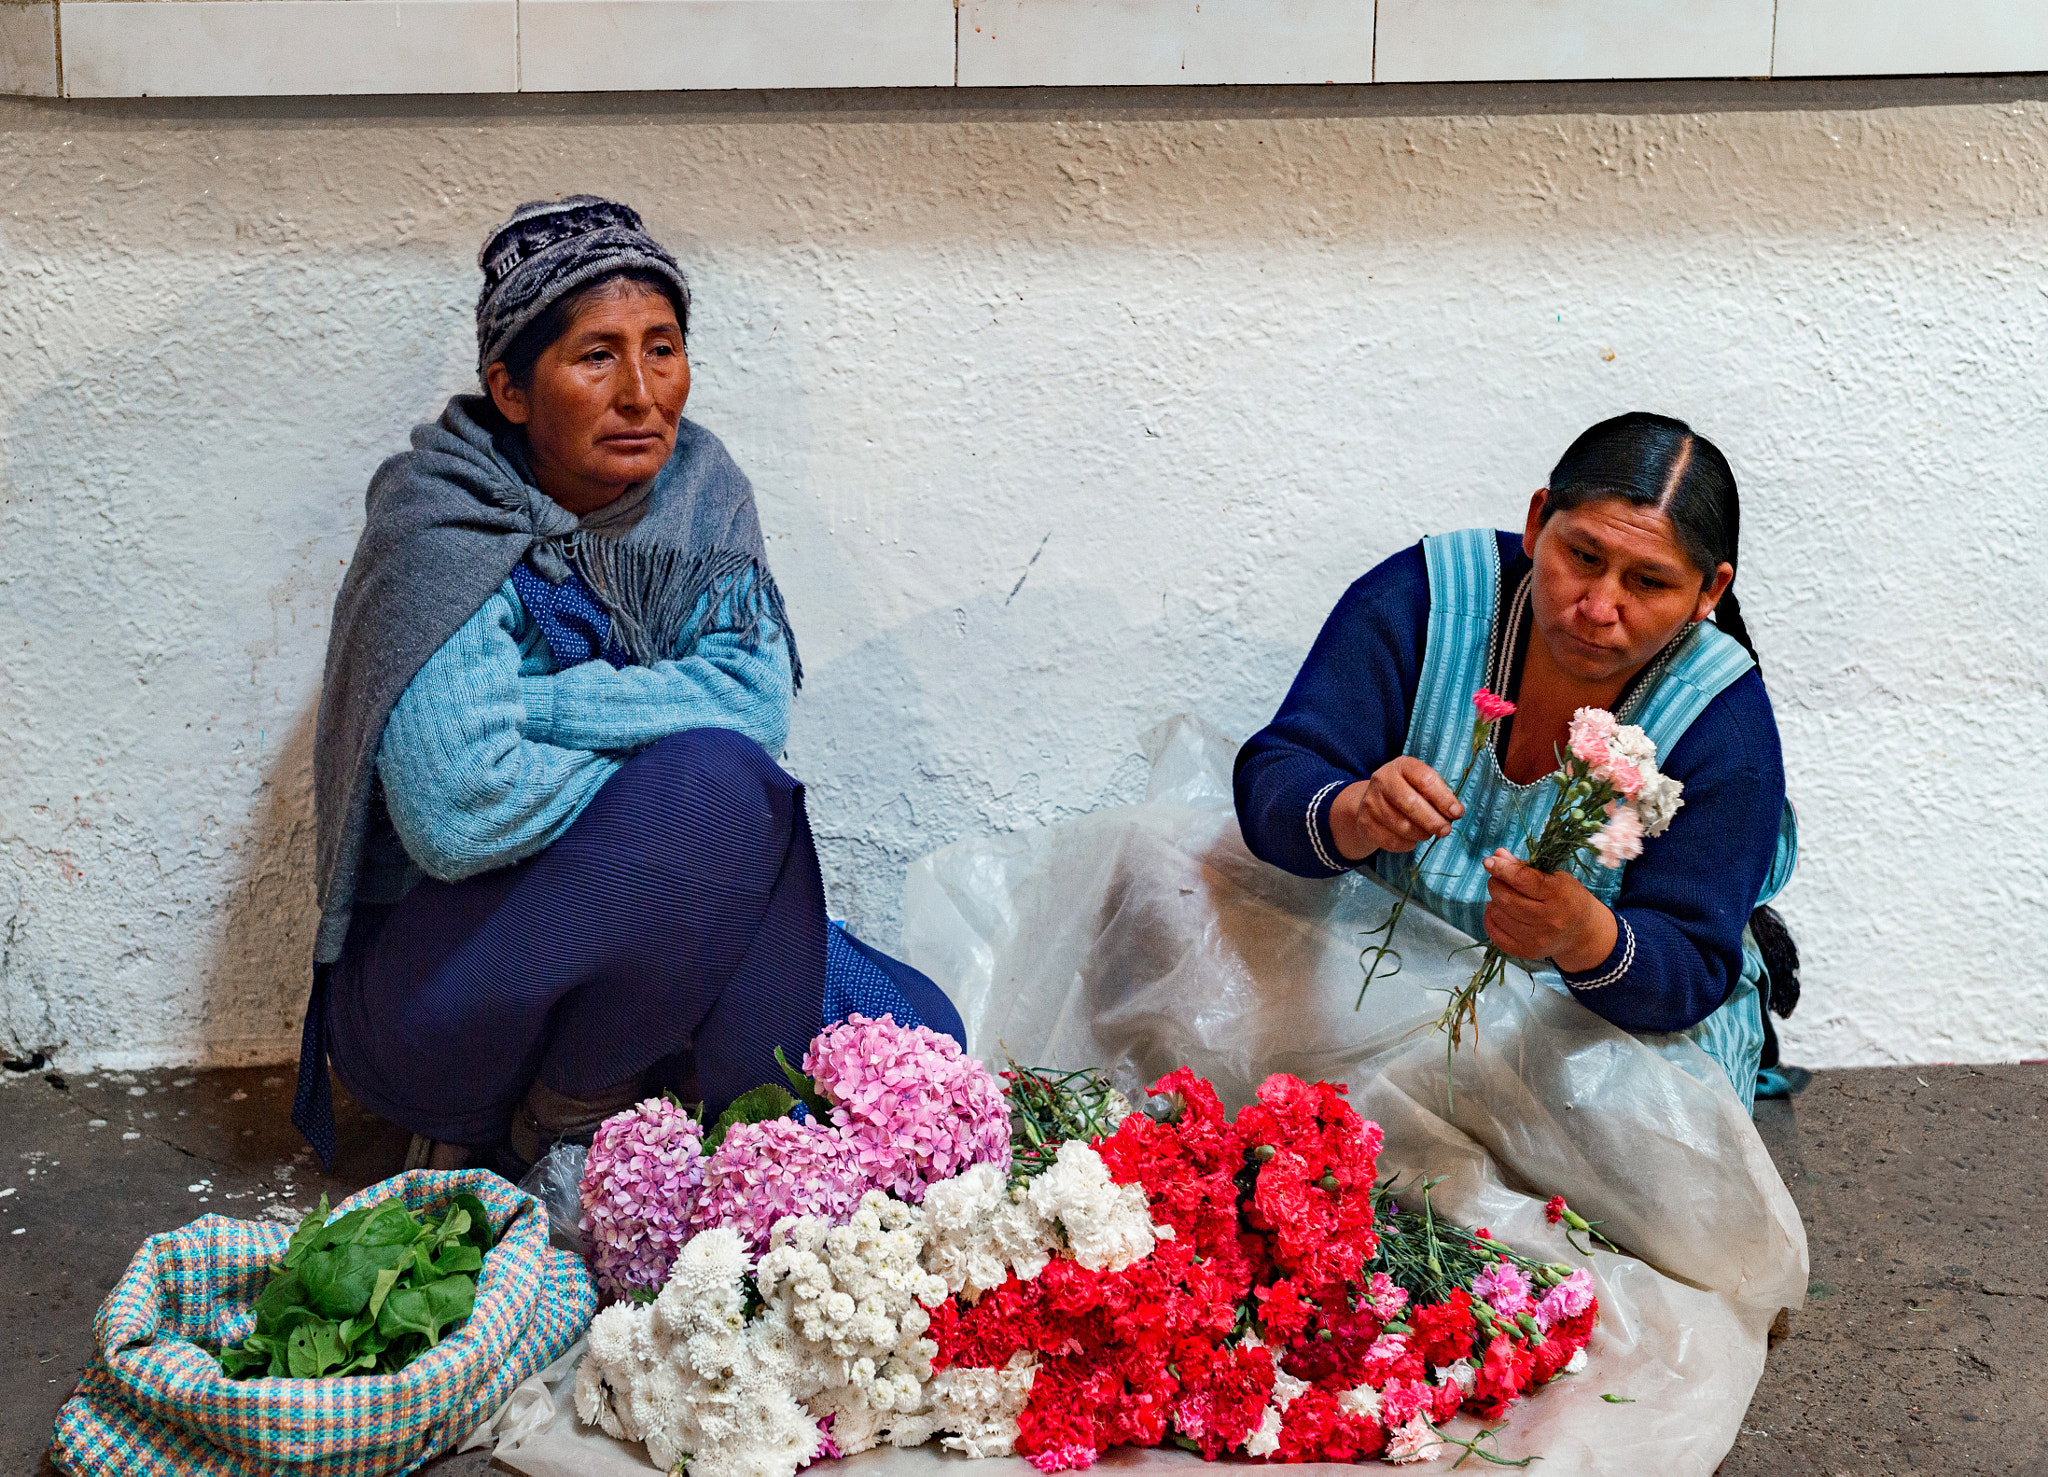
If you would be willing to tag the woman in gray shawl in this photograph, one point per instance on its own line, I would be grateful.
(559, 868)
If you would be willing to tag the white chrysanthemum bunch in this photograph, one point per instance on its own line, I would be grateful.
(854, 1298)
(686, 1375)
(980, 1230)
(978, 1408)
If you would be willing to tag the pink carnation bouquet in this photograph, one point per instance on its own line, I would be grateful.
(1610, 796)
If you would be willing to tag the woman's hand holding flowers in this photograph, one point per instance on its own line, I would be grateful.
(1532, 914)
(1404, 803)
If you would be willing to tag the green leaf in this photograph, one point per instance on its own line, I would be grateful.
(757, 1105)
(479, 1232)
(283, 1292)
(308, 1232)
(386, 1280)
(806, 1090)
(463, 1258)
(390, 1224)
(339, 1282)
(1618, 1399)
(452, 1299)
(314, 1349)
(344, 1230)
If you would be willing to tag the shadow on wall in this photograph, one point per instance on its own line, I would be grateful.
(894, 775)
(178, 498)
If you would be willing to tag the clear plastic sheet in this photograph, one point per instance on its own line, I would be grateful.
(556, 1181)
(1146, 937)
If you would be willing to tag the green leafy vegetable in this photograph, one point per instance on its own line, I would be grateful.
(365, 1294)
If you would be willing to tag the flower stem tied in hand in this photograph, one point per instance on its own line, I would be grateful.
(1610, 796)
(1489, 710)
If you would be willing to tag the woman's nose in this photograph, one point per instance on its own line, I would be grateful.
(1601, 604)
(633, 391)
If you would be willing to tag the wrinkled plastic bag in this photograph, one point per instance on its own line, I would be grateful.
(556, 1181)
(1146, 937)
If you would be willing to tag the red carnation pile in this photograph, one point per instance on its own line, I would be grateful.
(1263, 1327)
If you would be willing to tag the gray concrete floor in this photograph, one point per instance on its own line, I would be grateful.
(1919, 1350)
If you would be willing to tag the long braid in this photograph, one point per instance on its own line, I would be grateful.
(1728, 616)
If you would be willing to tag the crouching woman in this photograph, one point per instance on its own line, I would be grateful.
(1616, 595)
(559, 867)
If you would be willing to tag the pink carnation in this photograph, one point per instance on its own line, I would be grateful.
(1591, 731)
(1388, 1299)
(765, 1171)
(1621, 838)
(916, 1109)
(1491, 708)
(1621, 774)
(1071, 1457)
(639, 1186)
(1402, 1401)
(1568, 1299)
(1505, 1287)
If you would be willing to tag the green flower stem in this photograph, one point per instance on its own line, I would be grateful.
(1383, 950)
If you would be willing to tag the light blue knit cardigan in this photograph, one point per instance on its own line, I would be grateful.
(491, 753)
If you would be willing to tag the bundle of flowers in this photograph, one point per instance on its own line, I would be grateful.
(1235, 1287)
(884, 1107)
(1610, 795)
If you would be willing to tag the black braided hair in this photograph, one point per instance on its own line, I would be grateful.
(1661, 462)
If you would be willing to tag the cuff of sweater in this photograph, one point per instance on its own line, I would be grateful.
(1614, 967)
(1321, 839)
(538, 696)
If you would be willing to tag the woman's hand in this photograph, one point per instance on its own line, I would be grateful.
(1404, 801)
(1545, 915)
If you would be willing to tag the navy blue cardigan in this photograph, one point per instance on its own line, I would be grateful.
(1687, 897)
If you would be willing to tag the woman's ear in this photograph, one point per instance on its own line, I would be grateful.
(1713, 590)
(1535, 524)
(508, 397)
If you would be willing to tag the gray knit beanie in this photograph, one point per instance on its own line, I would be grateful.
(548, 249)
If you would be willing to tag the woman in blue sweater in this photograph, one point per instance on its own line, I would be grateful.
(559, 867)
(1616, 594)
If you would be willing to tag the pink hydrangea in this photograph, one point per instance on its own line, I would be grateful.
(1621, 838)
(762, 1172)
(639, 1186)
(915, 1108)
(1505, 1287)
(1568, 1299)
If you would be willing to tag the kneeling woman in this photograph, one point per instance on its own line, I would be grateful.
(1602, 601)
(559, 867)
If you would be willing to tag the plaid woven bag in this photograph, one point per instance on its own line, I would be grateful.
(155, 1404)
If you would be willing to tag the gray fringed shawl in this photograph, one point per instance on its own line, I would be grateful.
(448, 521)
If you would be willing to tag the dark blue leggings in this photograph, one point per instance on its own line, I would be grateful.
(682, 911)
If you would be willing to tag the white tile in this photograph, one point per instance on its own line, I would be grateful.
(28, 50)
(1868, 37)
(602, 45)
(1085, 43)
(1560, 40)
(256, 48)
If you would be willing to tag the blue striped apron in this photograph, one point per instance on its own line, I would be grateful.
(1465, 652)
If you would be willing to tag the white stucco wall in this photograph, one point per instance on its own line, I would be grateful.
(1185, 363)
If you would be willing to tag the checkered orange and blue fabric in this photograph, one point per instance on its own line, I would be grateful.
(153, 1403)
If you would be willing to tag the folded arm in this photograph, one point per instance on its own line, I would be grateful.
(466, 788)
